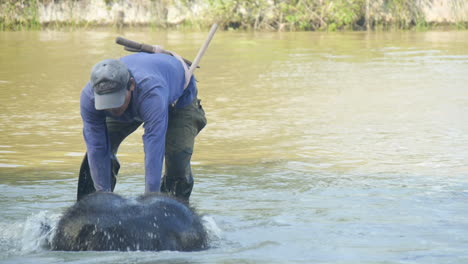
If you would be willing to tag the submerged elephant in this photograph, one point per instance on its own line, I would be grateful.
(107, 221)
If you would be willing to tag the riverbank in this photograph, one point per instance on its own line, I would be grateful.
(264, 15)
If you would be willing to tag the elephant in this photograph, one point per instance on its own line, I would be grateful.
(107, 221)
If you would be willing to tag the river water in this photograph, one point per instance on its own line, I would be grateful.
(320, 147)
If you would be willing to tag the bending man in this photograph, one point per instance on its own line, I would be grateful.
(121, 95)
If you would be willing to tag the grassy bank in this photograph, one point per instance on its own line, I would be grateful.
(313, 15)
(19, 15)
(264, 15)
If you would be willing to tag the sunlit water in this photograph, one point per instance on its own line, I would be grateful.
(320, 147)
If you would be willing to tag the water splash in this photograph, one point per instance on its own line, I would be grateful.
(37, 231)
(28, 236)
(214, 232)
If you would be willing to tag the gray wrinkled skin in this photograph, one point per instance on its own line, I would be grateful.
(107, 221)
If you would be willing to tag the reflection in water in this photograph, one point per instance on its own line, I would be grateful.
(323, 147)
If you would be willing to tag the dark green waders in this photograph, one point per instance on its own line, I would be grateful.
(184, 125)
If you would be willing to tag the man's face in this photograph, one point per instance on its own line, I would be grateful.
(120, 110)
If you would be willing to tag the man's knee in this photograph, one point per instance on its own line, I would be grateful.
(178, 163)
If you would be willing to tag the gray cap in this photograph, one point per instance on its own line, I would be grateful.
(109, 79)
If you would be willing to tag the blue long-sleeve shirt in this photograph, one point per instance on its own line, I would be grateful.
(159, 83)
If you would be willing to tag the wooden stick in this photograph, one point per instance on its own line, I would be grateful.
(202, 50)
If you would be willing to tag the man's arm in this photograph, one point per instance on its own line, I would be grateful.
(97, 142)
(154, 111)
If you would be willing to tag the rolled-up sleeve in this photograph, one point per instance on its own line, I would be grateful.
(97, 142)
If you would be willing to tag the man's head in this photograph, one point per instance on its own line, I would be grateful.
(111, 82)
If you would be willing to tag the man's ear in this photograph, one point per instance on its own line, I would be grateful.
(132, 84)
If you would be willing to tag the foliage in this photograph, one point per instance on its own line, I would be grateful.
(287, 14)
(328, 15)
(323, 15)
(20, 14)
(237, 13)
(346, 14)
(407, 13)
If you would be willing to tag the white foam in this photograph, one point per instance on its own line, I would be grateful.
(30, 235)
(214, 232)
(38, 230)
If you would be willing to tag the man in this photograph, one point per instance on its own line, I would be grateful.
(121, 95)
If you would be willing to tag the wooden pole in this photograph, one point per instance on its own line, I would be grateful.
(202, 50)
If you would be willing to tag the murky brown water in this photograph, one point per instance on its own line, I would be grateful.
(320, 147)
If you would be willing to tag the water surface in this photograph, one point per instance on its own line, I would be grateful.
(320, 147)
